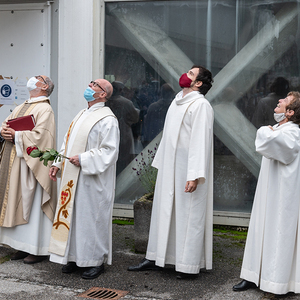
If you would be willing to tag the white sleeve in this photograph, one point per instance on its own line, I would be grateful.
(105, 137)
(281, 144)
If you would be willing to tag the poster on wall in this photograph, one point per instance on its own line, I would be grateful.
(13, 92)
(7, 91)
(21, 91)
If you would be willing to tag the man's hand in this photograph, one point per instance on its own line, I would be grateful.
(52, 173)
(8, 133)
(191, 186)
(75, 160)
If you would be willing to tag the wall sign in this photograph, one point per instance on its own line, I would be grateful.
(7, 91)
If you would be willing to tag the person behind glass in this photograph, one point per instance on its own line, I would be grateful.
(82, 228)
(264, 111)
(182, 214)
(271, 257)
(127, 115)
(27, 195)
(156, 113)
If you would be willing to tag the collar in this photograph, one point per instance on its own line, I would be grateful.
(96, 106)
(191, 96)
(289, 123)
(37, 99)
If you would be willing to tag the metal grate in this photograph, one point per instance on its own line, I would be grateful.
(102, 293)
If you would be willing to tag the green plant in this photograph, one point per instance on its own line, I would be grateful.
(46, 155)
(146, 173)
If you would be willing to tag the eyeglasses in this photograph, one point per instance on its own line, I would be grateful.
(40, 77)
(96, 84)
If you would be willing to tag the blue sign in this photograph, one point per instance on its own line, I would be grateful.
(6, 90)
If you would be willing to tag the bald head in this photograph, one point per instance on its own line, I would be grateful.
(107, 87)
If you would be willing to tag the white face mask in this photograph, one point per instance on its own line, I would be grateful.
(31, 83)
(279, 117)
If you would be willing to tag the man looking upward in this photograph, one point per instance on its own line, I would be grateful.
(27, 195)
(272, 248)
(82, 228)
(181, 221)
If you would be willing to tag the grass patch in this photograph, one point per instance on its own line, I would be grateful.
(230, 232)
(123, 221)
(4, 259)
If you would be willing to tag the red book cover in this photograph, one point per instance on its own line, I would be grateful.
(22, 123)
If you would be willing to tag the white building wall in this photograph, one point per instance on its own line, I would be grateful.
(75, 57)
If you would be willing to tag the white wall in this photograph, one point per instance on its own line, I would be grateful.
(25, 46)
(75, 57)
(70, 58)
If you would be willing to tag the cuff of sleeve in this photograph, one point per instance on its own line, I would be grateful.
(83, 157)
(57, 164)
(192, 175)
(19, 148)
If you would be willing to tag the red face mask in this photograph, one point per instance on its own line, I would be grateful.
(184, 81)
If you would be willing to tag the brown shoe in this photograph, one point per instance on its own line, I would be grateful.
(19, 255)
(33, 259)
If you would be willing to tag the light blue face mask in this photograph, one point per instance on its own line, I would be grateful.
(89, 94)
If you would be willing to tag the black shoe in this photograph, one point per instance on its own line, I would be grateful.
(144, 265)
(19, 255)
(186, 276)
(70, 267)
(243, 286)
(93, 272)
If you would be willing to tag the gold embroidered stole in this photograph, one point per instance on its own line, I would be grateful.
(64, 208)
(7, 159)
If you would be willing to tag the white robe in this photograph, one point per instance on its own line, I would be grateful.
(90, 237)
(181, 223)
(271, 257)
(34, 236)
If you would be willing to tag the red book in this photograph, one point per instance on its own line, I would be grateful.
(22, 123)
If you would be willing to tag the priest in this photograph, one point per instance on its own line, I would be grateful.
(182, 213)
(271, 257)
(82, 228)
(27, 195)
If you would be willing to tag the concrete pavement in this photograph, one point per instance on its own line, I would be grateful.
(45, 280)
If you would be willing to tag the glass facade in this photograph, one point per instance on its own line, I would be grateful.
(252, 50)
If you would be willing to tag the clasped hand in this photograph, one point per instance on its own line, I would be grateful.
(8, 133)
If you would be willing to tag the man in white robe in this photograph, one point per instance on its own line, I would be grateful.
(271, 257)
(27, 195)
(91, 172)
(182, 213)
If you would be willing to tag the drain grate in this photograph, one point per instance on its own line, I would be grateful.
(102, 293)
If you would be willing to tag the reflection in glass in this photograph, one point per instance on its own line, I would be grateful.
(247, 45)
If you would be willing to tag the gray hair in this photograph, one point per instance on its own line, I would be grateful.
(108, 92)
(50, 86)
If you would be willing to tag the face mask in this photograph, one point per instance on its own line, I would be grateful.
(279, 117)
(89, 94)
(31, 83)
(184, 81)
